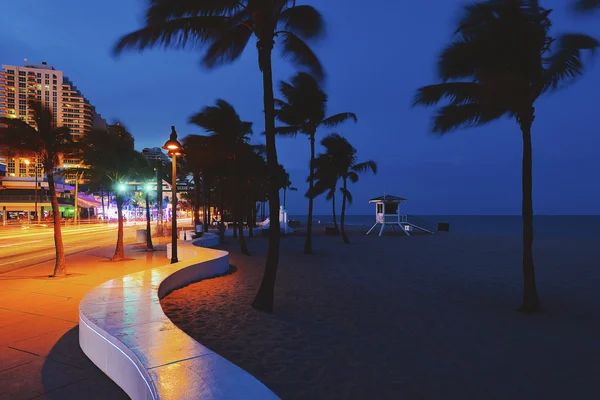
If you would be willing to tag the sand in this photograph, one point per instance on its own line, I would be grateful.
(423, 317)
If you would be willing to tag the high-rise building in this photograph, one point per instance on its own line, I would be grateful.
(43, 83)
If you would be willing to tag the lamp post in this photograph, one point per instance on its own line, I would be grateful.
(35, 213)
(174, 148)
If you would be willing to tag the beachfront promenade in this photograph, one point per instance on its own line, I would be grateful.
(40, 355)
(144, 352)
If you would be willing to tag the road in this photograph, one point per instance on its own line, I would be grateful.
(21, 247)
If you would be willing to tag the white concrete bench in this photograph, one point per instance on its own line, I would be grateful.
(124, 331)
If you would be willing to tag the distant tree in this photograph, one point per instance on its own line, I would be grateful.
(145, 174)
(226, 27)
(230, 137)
(47, 141)
(303, 111)
(111, 154)
(501, 60)
(326, 179)
(285, 183)
(341, 158)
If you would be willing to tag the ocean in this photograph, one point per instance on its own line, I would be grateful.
(580, 226)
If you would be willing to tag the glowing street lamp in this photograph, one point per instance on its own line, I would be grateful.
(35, 213)
(174, 148)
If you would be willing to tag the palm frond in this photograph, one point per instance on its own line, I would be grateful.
(228, 47)
(305, 21)
(365, 166)
(453, 117)
(337, 119)
(566, 61)
(353, 176)
(299, 52)
(177, 33)
(457, 61)
(163, 10)
(456, 92)
(348, 195)
(287, 130)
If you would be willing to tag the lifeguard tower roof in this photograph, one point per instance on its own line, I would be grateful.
(387, 198)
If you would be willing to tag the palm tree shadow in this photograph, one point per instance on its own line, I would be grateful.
(68, 373)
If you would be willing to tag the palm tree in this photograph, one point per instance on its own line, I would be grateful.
(501, 60)
(47, 142)
(226, 27)
(285, 183)
(231, 136)
(199, 160)
(111, 153)
(341, 158)
(304, 111)
(145, 174)
(326, 179)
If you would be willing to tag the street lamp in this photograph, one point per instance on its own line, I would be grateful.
(35, 213)
(174, 148)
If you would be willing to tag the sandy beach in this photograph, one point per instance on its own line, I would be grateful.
(423, 317)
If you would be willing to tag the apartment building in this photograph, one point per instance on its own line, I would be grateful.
(46, 84)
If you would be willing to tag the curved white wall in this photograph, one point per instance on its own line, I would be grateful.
(124, 331)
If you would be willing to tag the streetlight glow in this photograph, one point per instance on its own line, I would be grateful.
(121, 187)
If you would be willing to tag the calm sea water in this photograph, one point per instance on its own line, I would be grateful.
(544, 225)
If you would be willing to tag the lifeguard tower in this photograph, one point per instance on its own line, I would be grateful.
(387, 212)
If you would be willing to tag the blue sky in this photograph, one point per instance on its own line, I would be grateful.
(375, 58)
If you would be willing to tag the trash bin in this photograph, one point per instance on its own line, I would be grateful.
(199, 230)
(140, 236)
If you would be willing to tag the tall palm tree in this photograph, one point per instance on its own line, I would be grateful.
(47, 141)
(501, 60)
(342, 161)
(231, 135)
(303, 111)
(226, 27)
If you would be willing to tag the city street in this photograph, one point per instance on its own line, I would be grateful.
(21, 247)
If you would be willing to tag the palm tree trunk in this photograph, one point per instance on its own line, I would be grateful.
(284, 196)
(149, 246)
(206, 215)
(251, 219)
(60, 266)
(333, 210)
(103, 209)
(311, 182)
(222, 231)
(344, 215)
(531, 302)
(243, 246)
(196, 200)
(119, 250)
(266, 293)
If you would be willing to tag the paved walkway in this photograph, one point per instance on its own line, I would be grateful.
(40, 357)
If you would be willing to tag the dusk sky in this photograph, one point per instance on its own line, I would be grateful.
(375, 58)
